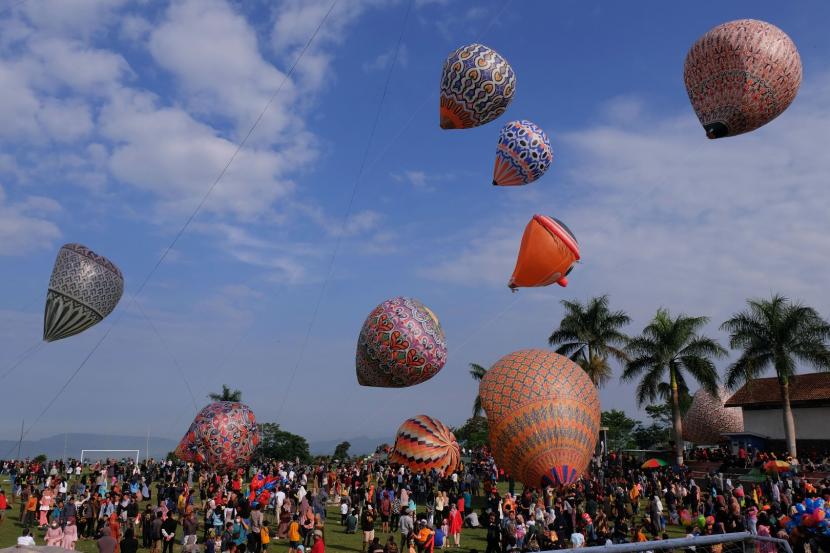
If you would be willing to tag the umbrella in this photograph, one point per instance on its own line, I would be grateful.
(654, 463)
(777, 466)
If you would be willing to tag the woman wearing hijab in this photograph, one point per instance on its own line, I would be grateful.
(54, 535)
(70, 534)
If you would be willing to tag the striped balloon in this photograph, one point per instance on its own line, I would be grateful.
(544, 414)
(84, 288)
(424, 443)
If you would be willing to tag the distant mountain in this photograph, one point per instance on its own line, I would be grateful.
(55, 447)
(360, 445)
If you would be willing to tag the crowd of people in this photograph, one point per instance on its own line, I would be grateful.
(161, 505)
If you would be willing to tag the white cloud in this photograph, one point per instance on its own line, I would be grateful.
(214, 55)
(421, 179)
(296, 20)
(23, 227)
(73, 63)
(383, 60)
(166, 152)
(71, 17)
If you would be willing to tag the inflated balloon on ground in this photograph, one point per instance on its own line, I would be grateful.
(547, 254)
(707, 419)
(424, 443)
(223, 435)
(522, 155)
(741, 75)
(544, 415)
(477, 85)
(84, 288)
(401, 344)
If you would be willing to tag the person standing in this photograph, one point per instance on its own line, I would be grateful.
(255, 536)
(155, 532)
(455, 523)
(406, 526)
(106, 543)
(129, 544)
(4, 504)
(168, 533)
(319, 545)
(367, 524)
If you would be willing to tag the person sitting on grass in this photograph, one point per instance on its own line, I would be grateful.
(25, 539)
(351, 522)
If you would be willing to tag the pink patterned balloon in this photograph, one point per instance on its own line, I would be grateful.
(707, 418)
(223, 435)
(401, 344)
(741, 75)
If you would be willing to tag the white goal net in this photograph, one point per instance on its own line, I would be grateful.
(98, 454)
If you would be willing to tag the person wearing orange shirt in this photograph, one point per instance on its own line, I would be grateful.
(31, 510)
(425, 538)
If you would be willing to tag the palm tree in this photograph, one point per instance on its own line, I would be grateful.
(672, 348)
(226, 395)
(589, 334)
(777, 333)
(477, 372)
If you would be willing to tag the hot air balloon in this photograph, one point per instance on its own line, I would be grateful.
(707, 419)
(223, 435)
(523, 154)
(547, 254)
(741, 75)
(424, 443)
(85, 287)
(544, 414)
(477, 85)
(401, 344)
(187, 449)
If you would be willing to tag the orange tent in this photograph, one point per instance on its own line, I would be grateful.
(547, 254)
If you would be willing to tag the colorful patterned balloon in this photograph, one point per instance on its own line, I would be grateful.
(707, 418)
(85, 287)
(223, 435)
(547, 254)
(741, 75)
(401, 344)
(424, 443)
(544, 414)
(523, 154)
(477, 85)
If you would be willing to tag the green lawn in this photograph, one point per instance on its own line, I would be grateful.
(336, 539)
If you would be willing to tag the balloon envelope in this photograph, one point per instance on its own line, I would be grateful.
(401, 344)
(544, 414)
(547, 254)
(477, 85)
(741, 75)
(523, 154)
(223, 435)
(707, 419)
(84, 288)
(424, 443)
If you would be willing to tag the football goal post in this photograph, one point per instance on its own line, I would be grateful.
(96, 453)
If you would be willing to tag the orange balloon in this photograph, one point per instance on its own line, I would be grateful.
(544, 416)
(547, 254)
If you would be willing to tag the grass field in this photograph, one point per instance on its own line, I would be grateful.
(336, 539)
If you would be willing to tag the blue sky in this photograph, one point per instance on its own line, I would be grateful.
(117, 116)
